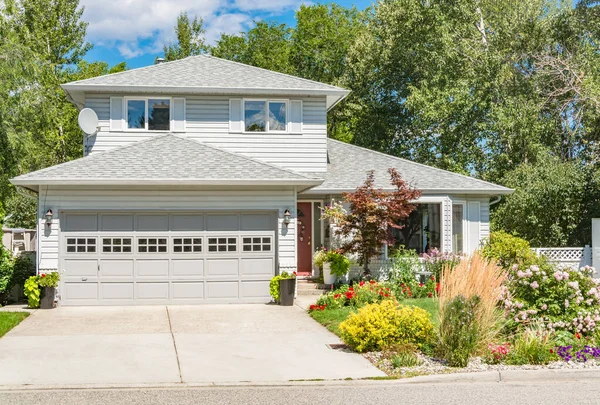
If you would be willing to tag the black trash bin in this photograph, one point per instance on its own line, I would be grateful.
(287, 288)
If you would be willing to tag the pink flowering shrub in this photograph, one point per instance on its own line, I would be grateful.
(558, 299)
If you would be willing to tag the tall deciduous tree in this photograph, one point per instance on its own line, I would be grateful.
(372, 214)
(190, 38)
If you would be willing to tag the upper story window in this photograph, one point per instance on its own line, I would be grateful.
(265, 116)
(152, 114)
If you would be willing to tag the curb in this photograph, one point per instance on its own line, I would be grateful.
(500, 376)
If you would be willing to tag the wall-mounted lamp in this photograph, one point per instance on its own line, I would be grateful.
(49, 217)
(286, 217)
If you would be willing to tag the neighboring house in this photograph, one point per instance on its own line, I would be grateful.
(185, 190)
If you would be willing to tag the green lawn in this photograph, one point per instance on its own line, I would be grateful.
(9, 320)
(331, 318)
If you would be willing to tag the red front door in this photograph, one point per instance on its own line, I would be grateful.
(304, 236)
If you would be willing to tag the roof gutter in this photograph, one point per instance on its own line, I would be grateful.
(487, 192)
(166, 182)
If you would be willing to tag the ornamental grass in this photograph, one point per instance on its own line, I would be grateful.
(475, 276)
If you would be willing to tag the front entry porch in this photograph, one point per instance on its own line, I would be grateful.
(311, 236)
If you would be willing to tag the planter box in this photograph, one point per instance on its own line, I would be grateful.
(328, 278)
(47, 300)
(287, 289)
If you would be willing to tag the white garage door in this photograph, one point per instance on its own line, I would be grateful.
(156, 258)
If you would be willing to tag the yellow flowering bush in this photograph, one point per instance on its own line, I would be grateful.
(380, 325)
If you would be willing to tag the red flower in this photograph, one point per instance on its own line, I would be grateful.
(421, 284)
(578, 335)
(432, 278)
(429, 295)
(437, 288)
(43, 274)
(387, 295)
(350, 288)
(362, 282)
(336, 296)
(295, 274)
(551, 351)
(373, 282)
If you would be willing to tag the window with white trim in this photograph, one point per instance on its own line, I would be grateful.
(81, 245)
(187, 245)
(223, 244)
(458, 231)
(265, 116)
(116, 245)
(152, 245)
(150, 114)
(256, 244)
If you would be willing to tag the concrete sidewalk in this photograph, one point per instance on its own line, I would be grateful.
(173, 345)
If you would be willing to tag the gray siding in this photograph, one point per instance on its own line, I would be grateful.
(207, 120)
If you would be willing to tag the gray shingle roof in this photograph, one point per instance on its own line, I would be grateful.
(204, 71)
(349, 164)
(165, 159)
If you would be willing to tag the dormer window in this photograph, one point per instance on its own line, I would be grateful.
(148, 114)
(265, 116)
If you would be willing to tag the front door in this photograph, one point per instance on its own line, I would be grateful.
(304, 239)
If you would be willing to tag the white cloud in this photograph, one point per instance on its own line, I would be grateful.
(138, 27)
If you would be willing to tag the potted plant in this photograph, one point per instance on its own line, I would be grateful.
(283, 288)
(333, 263)
(41, 290)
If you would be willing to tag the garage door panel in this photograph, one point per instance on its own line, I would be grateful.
(256, 266)
(80, 222)
(80, 291)
(152, 268)
(187, 290)
(255, 289)
(116, 291)
(152, 222)
(80, 268)
(116, 222)
(222, 289)
(222, 267)
(187, 222)
(116, 268)
(190, 267)
(152, 291)
(222, 222)
(257, 222)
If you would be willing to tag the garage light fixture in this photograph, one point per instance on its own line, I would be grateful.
(286, 217)
(49, 217)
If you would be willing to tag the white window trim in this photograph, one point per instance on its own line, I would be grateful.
(465, 225)
(267, 101)
(145, 99)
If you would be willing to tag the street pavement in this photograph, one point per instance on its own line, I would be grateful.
(351, 392)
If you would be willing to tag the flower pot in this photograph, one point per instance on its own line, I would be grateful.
(47, 299)
(328, 278)
(287, 289)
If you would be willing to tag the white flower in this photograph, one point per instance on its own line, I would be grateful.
(534, 285)
(544, 307)
(566, 303)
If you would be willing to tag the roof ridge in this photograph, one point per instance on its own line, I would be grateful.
(272, 166)
(271, 71)
(416, 163)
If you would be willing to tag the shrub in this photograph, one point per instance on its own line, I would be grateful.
(508, 250)
(381, 325)
(436, 261)
(274, 283)
(458, 335)
(340, 264)
(48, 279)
(32, 291)
(6, 273)
(476, 277)
(558, 299)
(532, 346)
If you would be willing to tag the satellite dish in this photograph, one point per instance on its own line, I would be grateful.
(88, 121)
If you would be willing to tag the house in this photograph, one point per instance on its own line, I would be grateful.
(205, 178)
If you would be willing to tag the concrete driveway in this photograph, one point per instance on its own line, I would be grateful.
(174, 344)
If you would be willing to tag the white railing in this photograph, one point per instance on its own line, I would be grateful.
(574, 257)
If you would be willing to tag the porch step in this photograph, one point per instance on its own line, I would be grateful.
(310, 287)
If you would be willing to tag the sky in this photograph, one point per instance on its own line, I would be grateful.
(135, 30)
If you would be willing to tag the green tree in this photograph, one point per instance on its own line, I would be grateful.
(549, 204)
(190, 38)
(231, 47)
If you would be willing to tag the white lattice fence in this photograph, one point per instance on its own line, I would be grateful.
(574, 257)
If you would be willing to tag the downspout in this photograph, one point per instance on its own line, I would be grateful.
(496, 200)
(37, 229)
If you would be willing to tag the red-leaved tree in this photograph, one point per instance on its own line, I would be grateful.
(372, 215)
